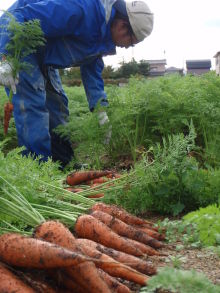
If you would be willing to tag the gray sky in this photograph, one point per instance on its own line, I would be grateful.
(183, 30)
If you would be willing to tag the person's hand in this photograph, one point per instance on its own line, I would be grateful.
(6, 77)
(103, 119)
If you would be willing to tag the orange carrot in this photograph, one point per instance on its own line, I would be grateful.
(11, 283)
(36, 281)
(120, 213)
(57, 233)
(123, 229)
(85, 274)
(28, 252)
(42, 287)
(8, 109)
(70, 284)
(64, 282)
(144, 248)
(97, 195)
(116, 269)
(88, 277)
(130, 260)
(99, 180)
(151, 233)
(79, 177)
(113, 283)
(95, 185)
(89, 227)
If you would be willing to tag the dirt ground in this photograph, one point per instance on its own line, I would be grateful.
(201, 260)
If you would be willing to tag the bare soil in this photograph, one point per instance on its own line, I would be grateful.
(201, 260)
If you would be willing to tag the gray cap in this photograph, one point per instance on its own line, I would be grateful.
(141, 18)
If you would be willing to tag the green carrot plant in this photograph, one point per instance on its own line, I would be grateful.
(24, 39)
(182, 281)
(173, 183)
(207, 221)
(143, 112)
(35, 193)
(158, 186)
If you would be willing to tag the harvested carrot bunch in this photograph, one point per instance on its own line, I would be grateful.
(101, 253)
(56, 233)
(87, 275)
(89, 227)
(79, 177)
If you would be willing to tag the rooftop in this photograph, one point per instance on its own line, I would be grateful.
(160, 61)
(216, 55)
(192, 64)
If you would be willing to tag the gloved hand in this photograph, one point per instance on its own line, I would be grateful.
(103, 119)
(6, 77)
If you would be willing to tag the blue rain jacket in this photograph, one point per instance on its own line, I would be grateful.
(77, 33)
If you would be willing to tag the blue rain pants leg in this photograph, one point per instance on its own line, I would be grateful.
(30, 112)
(39, 106)
(57, 105)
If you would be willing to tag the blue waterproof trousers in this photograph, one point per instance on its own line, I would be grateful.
(40, 105)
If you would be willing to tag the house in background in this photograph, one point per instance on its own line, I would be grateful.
(157, 67)
(217, 62)
(174, 70)
(198, 67)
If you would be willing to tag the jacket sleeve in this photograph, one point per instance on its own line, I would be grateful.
(93, 83)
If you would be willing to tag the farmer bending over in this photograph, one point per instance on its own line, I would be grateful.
(77, 33)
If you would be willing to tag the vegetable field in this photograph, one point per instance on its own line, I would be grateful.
(145, 212)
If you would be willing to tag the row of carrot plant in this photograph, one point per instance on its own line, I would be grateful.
(165, 130)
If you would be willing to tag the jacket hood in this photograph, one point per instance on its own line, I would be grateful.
(108, 8)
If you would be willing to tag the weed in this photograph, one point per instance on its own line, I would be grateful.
(207, 221)
(182, 281)
(176, 261)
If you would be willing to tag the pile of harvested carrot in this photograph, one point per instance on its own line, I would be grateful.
(93, 179)
(105, 247)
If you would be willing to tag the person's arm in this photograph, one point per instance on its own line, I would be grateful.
(94, 88)
(93, 83)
